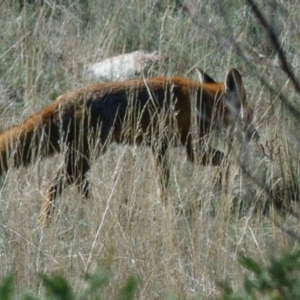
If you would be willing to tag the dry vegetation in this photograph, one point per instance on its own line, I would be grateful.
(185, 248)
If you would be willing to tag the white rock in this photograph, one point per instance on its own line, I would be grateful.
(122, 67)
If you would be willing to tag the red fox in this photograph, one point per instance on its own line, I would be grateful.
(150, 111)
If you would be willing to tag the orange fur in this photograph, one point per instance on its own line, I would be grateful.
(150, 111)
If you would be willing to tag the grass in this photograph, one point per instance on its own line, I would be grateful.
(123, 227)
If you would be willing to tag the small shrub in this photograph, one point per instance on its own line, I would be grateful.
(57, 287)
(278, 280)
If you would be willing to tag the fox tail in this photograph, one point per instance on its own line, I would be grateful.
(36, 136)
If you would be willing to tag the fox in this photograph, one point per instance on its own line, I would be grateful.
(140, 111)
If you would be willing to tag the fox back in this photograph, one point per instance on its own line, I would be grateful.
(132, 111)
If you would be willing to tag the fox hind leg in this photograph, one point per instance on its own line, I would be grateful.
(74, 171)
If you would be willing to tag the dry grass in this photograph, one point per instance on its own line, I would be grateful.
(181, 249)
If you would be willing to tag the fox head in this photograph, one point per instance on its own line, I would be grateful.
(236, 110)
(236, 107)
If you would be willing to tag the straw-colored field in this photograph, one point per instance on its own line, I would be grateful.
(183, 248)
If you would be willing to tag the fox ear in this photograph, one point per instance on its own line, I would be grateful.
(234, 86)
(203, 77)
(235, 94)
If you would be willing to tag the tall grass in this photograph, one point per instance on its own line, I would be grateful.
(123, 227)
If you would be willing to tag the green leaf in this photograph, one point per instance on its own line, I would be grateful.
(250, 265)
(7, 288)
(95, 282)
(128, 291)
(57, 287)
